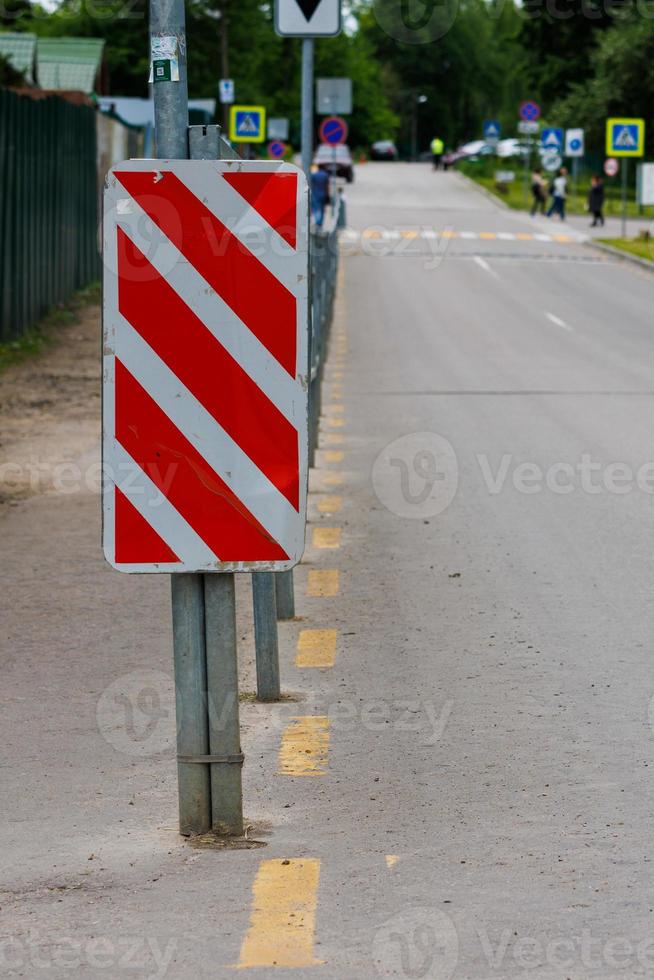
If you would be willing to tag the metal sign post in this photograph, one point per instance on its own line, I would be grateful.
(191, 487)
(624, 198)
(625, 137)
(307, 104)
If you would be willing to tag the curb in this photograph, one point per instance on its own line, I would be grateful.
(619, 254)
(502, 205)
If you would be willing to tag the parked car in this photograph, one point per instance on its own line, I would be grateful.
(327, 157)
(383, 150)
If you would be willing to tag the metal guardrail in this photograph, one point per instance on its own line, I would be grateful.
(49, 206)
(323, 251)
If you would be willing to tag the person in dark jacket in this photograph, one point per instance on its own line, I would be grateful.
(596, 200)
(538, 192)
(319, 193)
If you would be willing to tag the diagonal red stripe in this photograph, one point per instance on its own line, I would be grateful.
(207, 369)
(136, 543)
(186, 479)
(274, 196)
(255, 295)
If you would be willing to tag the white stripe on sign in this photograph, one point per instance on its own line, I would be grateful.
(159, 513)
(254, 233)
(251, 486)
(239, 342)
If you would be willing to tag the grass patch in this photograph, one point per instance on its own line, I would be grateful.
(36, 338)
(633, 246)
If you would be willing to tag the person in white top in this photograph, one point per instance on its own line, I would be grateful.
(559, 194)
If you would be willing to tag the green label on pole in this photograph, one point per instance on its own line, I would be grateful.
(161, 71)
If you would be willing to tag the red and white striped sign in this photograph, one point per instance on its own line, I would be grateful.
(205, 416)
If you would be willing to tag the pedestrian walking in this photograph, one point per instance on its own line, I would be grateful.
(437, 147)
(319, 193)
(596, 200)
(559, 194)
(538, 192)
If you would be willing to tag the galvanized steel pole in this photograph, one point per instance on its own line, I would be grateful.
(285, 594)
(191, 704)
(265, 635)
(167, 23)
(222, 703)
(307, 104)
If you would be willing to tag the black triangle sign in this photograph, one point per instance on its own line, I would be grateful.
(308, 7)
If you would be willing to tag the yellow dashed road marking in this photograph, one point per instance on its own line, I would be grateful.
(283, 919)
(330, 505)
(524, 236)
(336, 375)
(316, 648)
(305, 746)
(448, 234)
(332, 438)
(323, 584)
(326, 537)
(561, 238)
(391, 860)
(334, 455)
(335, 423)
(334, 409)
(333, 479)
(487, 234)
(409, 234)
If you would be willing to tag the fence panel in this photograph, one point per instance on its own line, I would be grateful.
(48, 206)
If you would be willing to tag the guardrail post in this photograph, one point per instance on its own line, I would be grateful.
(285, 594)
(265, 635)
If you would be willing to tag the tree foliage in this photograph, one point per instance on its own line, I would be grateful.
(419, 68)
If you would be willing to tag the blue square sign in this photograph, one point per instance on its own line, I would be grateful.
(551, 138)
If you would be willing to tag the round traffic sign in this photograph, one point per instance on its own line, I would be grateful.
(333, 130)
(276, 149)
(530, 111)
(551, 160)
(575, 144)
(611, 167)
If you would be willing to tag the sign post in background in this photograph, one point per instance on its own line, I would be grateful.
(625, 137)
(307, 19)
(333, 95)
(574, 148)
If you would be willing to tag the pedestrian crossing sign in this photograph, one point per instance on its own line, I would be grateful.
(625, 137)
(247, 124)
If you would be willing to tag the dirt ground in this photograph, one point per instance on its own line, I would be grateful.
(50, 413)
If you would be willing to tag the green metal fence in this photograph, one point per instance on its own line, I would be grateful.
(48, 206)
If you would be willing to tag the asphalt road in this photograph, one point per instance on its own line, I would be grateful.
(459, 788)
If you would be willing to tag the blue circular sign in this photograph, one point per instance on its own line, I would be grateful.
(575, 144)
(529, 111)
(276, 149)
(333, 130)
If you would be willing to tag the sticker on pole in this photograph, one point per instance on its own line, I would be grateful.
(625, 137)
(333, 130)
(247, 124)
(205, 407)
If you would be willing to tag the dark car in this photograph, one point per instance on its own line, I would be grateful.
(335, 157)
(383, 150)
